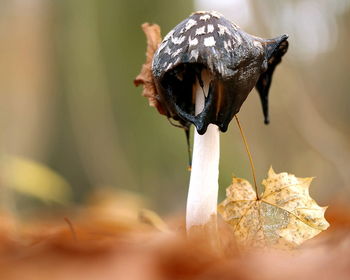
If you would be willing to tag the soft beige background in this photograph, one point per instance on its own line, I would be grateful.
(68, 100)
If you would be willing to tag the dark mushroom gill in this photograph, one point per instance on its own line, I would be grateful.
(235, 60)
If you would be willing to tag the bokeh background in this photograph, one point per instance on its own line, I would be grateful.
(73, 124)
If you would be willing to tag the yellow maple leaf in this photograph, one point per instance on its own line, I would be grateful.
(283, 217)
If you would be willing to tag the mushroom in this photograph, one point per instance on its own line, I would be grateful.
(202, 72)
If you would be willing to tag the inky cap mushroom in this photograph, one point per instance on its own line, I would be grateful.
(200, 74)
(236, 61)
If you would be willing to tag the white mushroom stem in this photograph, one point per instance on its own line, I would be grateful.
(203, 189)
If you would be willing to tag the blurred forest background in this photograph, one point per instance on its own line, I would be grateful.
(73, 124)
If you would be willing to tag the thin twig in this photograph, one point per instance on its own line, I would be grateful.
(249, 156)
(71, 228)
(187, 131)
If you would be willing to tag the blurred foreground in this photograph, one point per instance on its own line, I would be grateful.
(110, 239)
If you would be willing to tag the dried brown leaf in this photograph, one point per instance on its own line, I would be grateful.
(284, 217)
(47, 250)
(145, 78)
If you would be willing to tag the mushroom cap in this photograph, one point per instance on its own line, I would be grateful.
(234, 59)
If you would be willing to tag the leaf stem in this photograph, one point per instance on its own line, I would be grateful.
(249, 155)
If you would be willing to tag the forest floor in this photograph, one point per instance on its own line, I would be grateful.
(107, 243)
